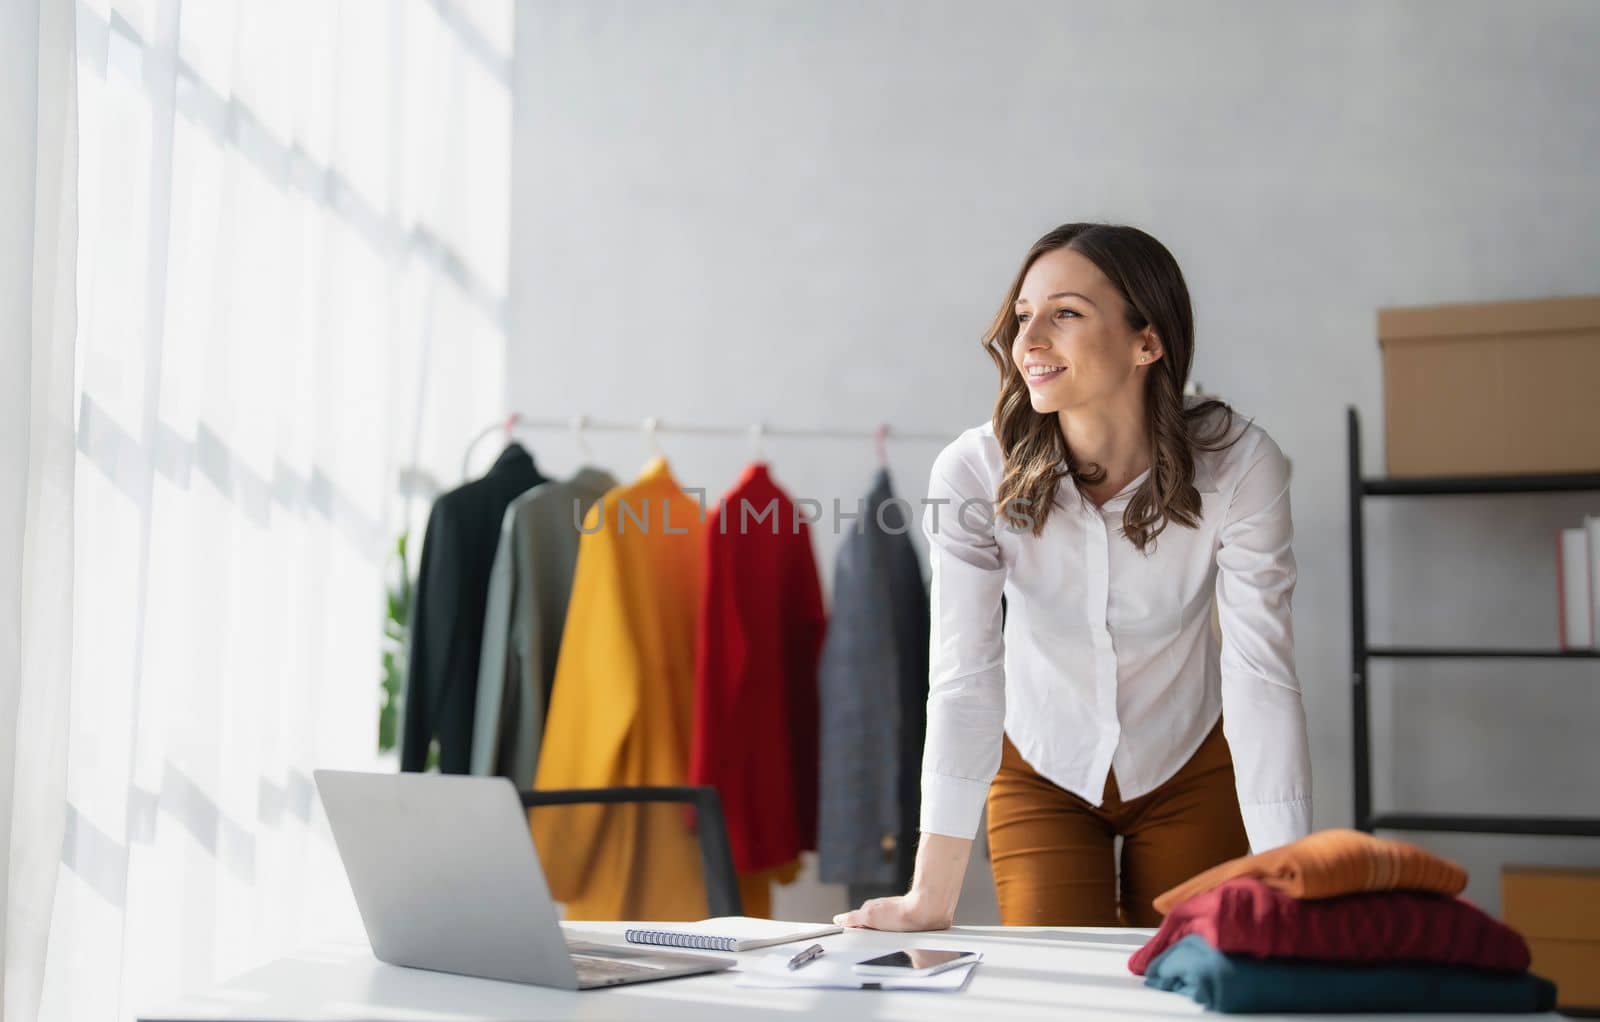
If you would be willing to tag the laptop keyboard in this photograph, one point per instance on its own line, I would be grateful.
(604, 969)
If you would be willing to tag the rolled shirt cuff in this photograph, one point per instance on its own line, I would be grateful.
(1272, 824)
(952, 805)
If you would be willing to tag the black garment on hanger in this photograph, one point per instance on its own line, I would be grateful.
(447, 615)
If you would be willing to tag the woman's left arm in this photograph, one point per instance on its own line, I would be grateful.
(1262, 713)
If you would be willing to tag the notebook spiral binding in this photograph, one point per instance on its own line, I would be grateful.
(664, 938)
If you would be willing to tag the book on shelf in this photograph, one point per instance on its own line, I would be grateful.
(1591, 527)
(1573, 589)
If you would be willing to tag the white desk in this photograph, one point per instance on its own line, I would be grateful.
(1077, 973)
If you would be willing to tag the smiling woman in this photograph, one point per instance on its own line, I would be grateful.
(1099, 711)
(1097, 309)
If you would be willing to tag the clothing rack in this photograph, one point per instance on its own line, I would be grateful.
(652, 427)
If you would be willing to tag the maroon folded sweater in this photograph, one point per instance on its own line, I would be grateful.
(1245, 916)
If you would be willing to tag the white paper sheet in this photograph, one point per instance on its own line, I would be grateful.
(834, 970)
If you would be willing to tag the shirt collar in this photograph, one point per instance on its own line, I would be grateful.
(589, 479)
(882, 488)
(1069, 488)
(755, 472)
(1204, 482)
(514, 454)
(658, 470)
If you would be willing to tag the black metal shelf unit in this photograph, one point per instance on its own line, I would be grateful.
(1362, 654)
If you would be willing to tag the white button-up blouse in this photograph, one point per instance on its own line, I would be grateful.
(1108, 658)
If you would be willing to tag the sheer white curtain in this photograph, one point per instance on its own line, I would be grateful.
(37, 230)
(291, 285)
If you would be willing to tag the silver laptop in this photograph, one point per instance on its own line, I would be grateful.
(446, 878)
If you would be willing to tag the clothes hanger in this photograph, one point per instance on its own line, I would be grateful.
(758, 442)
(578, 437)
(880, 442)
(651, 425)
(508, 435)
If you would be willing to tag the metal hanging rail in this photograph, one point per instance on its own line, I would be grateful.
(651, 427)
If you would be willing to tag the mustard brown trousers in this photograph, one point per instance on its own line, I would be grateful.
(1053, 853)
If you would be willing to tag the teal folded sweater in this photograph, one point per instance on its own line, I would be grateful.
(1238, 984)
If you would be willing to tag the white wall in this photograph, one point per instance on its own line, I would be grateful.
(805, 213)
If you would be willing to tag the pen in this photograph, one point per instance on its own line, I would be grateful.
(814, 951)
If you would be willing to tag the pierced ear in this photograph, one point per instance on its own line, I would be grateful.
(1153, 349)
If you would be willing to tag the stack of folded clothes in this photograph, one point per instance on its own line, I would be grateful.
(1339, 921)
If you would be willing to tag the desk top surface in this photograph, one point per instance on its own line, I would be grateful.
(1055, 973)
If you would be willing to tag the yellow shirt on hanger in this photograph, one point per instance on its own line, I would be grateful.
(621, 708)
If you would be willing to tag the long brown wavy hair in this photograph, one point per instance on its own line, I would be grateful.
(1037, 458)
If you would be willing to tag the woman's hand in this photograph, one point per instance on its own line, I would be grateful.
(903, 913)
(931, 904)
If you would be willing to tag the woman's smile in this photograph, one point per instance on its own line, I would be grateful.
(1040, 373)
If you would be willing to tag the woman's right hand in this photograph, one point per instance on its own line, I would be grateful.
(903, 913)
(931, 903)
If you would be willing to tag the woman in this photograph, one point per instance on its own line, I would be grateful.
(1113, 515)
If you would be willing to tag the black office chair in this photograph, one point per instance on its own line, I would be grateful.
(716, 856)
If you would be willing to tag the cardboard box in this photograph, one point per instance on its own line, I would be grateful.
(1497, 388)
(1573, 966)
(1557, 909)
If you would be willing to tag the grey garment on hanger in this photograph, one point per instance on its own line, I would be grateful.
(529, 588)
(873, 687)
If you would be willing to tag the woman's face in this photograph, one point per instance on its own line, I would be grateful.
(1074, 347)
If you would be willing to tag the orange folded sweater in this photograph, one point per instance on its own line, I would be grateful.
(1330, 863)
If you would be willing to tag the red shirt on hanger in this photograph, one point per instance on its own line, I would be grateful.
(755, 715)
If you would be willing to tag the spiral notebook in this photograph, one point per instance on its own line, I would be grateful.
(730, 933)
